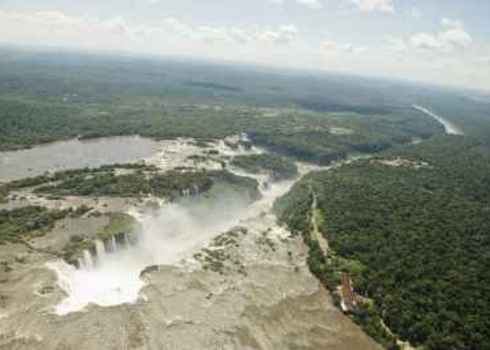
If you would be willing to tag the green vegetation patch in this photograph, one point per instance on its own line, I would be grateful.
(221, 256)
(70, 179)
(141, 180)
(4, 192)
(280, 168)
(118, 223)
(74, 248)
(22, 224)
(172, 183)
(106, 182)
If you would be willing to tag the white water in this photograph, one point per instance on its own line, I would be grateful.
(100, 248)
(88, 263)
(449, 127)
(172, 233)
(113, 244)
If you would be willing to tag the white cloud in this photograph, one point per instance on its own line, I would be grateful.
(331, 47)
(396, 44)
(452, 23)
(450, 38)
(385, 6)
(240, 35)
(118, 25)
(213, 34)
(426, 41)
(455, 34)
(415, 56)
(455, 38)
(53, 17)
(283, 35)
(64, 29)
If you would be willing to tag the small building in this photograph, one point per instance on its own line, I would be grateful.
(348, 299)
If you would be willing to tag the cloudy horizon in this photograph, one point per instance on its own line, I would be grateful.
(419, 40)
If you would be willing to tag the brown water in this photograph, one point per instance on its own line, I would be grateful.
(73, 154)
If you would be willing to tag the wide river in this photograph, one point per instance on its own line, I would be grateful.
(73, 154)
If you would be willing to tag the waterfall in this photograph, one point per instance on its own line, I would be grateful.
(87, 260)
(133, 240)
(113, 244)
(125, 240)
(81, 264)
(100, 249)
(189, 192)
(196, 189)
(94, 256)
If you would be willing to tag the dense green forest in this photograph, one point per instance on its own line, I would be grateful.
(46, 97)
(169, 185)
(306, 135)
(417, 234)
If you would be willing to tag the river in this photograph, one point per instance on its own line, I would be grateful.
(73, 154)
(449, 127)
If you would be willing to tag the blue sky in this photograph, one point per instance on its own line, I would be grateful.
(439, 41)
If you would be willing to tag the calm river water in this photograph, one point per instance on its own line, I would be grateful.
(73, 154)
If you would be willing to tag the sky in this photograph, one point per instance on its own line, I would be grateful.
(444, 42)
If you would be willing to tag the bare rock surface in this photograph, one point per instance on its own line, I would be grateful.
(273, 302)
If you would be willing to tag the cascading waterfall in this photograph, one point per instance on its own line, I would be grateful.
(100, 249)
(195, 189)
(126, 241)
(190, 192)
(109, 274)
(92, 258)
(113, 244)
(167, 236)
(81, 263)
(88, 262)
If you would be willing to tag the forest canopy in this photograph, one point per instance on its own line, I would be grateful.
(420, 229)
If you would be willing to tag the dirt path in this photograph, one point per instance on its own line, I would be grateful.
(316, 234)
